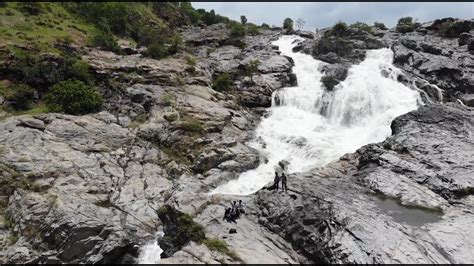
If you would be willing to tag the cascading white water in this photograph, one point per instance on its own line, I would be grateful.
(358, 112)
(151, 252)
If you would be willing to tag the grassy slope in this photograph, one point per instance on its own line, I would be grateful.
(41, 31)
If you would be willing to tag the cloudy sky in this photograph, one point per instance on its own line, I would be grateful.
(326, 14)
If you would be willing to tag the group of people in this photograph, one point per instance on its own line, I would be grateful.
(280, 175)
(233, 212)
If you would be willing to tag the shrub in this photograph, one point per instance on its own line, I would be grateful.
(192, 125)
(243, 20)
(252, 29)
(157, 50)
(222, 82)
(288, 24)
(20, 96)
(30, 8)
(105, 41)
(175, 42)
(380, 25)
(73, 97)
(339, 29)
(329, 82)
(362, 26)
(237, 30)
(405, 25)
(221, 246)
(191, 60)
(79, 70)
(265, 26)
(184, 228)
(252, 67)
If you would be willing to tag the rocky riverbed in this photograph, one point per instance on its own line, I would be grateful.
(88, 189)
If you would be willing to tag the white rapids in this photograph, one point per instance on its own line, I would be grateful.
(150, 253)
(359, 111)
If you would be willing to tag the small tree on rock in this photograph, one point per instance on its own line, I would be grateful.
(243, 20)
(288, 24)
(300, 23)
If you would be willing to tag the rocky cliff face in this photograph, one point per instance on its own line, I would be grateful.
(87, 189)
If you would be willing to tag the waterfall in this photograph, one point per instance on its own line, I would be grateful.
(151, 252)
(311, 127)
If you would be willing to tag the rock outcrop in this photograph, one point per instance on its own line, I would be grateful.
(423, 173)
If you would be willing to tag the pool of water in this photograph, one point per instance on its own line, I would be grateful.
(413, 216)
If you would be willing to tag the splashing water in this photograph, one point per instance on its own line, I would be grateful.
(150, 253)
(312, 127)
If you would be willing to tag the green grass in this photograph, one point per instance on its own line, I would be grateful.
(35, 109)
(191, 125)
(43, 30)
(222, 247)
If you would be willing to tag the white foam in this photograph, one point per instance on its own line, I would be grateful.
(150, 253)
(359, 111)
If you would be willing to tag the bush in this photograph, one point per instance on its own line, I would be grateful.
(184, 228)
(222, 83)
(243, 20)
(362, 26)
(339, 29)
(157, 51)
(192, 125)
(380, 25)
(252, 29)
(265, 26)
(252, 67)
(20, 96)
(79, 70)
(73, 97)
(105, 41)
(405, 25)
(329, 82)
(288, 24)
(30, 8)
(237, 30)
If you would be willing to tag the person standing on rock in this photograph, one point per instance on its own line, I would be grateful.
(283, 182)
(276, 180)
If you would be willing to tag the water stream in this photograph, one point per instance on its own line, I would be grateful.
(311, 127)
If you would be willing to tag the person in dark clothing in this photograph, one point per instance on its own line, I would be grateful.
(240, 207)
(226, 214)
(276, 181)
(283, 182)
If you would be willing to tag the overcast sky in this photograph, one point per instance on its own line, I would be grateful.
(326, 14)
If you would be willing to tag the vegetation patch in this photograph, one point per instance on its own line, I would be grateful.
(191, 125)
(329, 82)
(222, 83)
(362, 27)
(221, 246)
(405, 25)
(73, 97)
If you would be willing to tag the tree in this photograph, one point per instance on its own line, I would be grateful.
(288, 24)
(243, 20)
(405, 25)
(300, 23)
(20, 96)
(73, 97)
